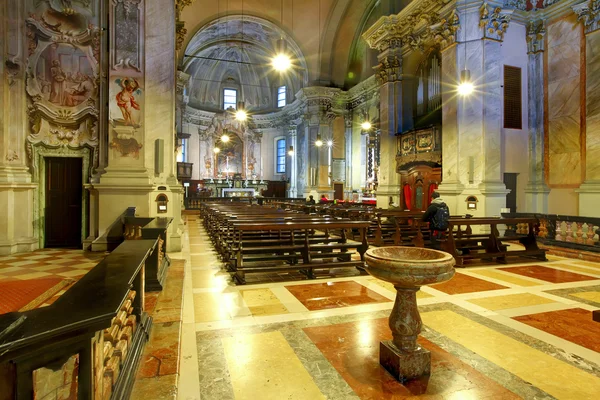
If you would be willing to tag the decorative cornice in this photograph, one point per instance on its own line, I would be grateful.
(516, 4)
(589, 13)
(407, 28)
(494, 24)
(362, 93)
(536, 30)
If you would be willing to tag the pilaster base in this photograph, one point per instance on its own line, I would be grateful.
(589, 198)
(449, 192)
(536, 198)
(18, 246)
(385, 192)
(403, 365)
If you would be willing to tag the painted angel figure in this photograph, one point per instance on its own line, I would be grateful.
(126, 100)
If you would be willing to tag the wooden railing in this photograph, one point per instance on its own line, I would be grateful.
(88, 343)
(580, 233)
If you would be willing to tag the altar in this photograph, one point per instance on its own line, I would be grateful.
(237, 192)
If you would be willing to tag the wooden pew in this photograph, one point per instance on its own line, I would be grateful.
(305, 254)
(465, 245)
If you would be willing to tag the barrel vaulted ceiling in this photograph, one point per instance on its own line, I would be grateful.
(325, 34)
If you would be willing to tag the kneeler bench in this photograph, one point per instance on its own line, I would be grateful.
(492, 243)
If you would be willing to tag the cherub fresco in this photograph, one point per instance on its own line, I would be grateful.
(126, 99)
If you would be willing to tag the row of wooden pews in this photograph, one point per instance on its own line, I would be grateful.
(254, 239)
(475, 238)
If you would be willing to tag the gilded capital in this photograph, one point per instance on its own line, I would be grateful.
(388, 69)
(444, 32)
(495, 23)
(536, 30)
(589, 13)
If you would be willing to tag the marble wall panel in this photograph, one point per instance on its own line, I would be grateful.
(470, 111)
(492, 108)
(564, 102)
(449, 116)
(593, 106)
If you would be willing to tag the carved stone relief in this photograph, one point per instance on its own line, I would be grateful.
(126, 35)
(62, 77)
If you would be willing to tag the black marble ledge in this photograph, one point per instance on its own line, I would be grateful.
(155, 227)
(88, 306)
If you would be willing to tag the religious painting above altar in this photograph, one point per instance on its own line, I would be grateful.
(230, 147)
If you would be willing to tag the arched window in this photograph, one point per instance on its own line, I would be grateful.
(281, 96)
(229, 98)
(280, 146)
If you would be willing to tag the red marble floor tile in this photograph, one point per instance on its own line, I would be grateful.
(548, 274)
(353, 350)
(150, 301)
(575, 325)
(462, 283)
(161, 355)
(321, 296)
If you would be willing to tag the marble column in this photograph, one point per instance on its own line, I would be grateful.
(324, 185)
(536, 191)
(451, 185)
(589, 191)
(348, 155)
(472, 137)
(16, 187)
(292, 140)
(389, 73)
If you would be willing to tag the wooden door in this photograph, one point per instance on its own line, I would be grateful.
(510, 181)
(63, 202)
(338, 191)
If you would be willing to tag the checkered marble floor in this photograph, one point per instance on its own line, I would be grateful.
(46, 263)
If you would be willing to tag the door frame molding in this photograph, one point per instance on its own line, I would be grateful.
(38, 175)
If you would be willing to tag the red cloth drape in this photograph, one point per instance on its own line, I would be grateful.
(407, 196)
(432, 188)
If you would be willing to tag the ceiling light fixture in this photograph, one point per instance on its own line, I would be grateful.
(281, 61)
(366, 125)
(465, 87)
(241, 114)
(318, 142)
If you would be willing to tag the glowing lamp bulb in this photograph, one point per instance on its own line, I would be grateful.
(217, 150)
(330, 143)
(465, 88)
(241, 115)
(281, 62)
(291, 151)
(366, 125)
(318, 143)
(224, 138)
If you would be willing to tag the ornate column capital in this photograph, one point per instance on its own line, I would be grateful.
(444, 32)
(589, 13)
(388, 69)
(494, 23)
(536, 30)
